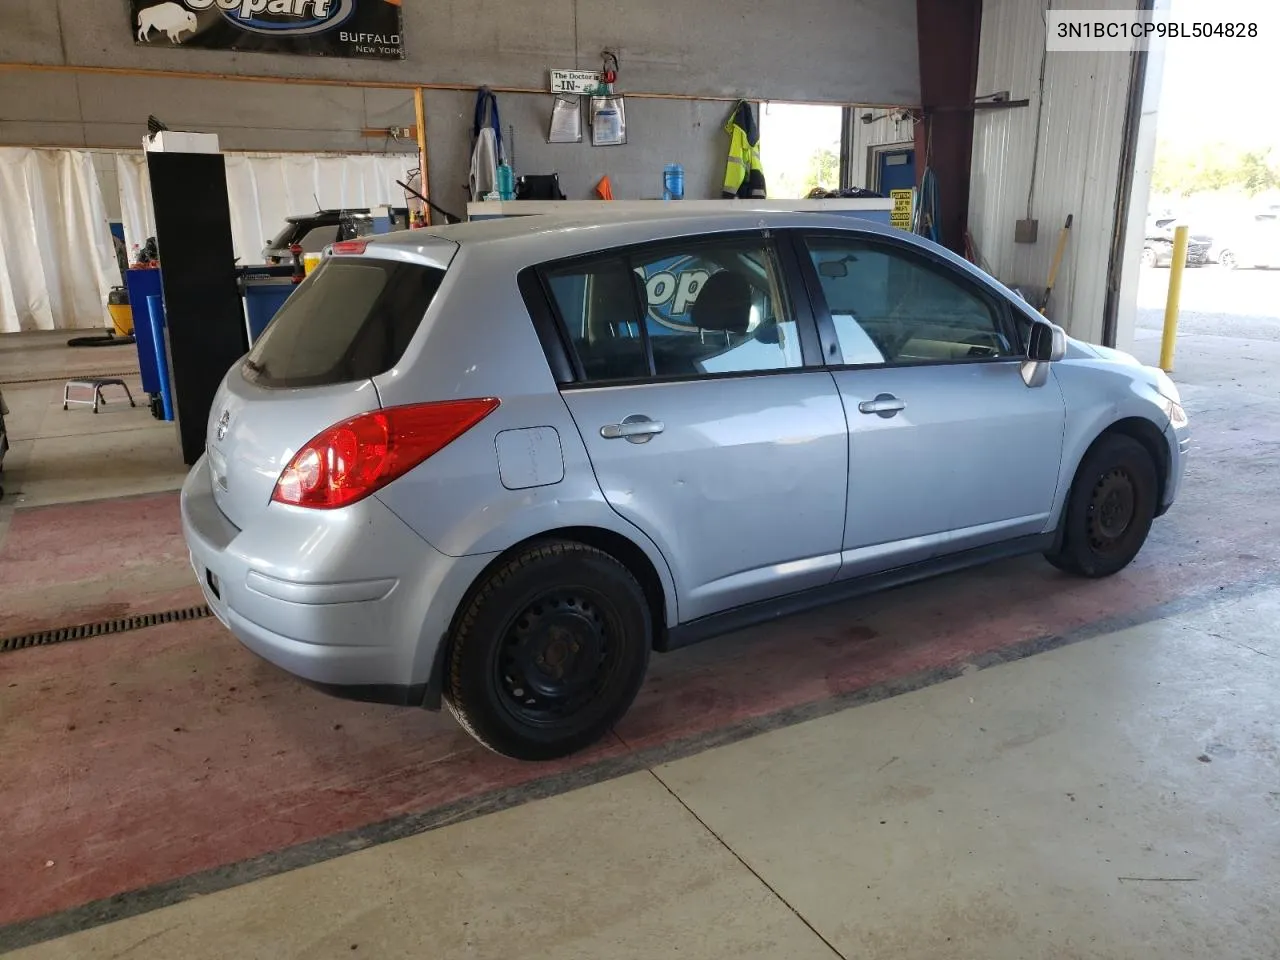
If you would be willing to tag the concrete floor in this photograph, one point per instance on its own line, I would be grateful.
(1113, 795)
(1115, 798)
(77, 567)
(64, 456)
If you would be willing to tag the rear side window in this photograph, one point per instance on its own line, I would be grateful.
(599, 303)
(695, 309)
(716, 307)
(350, 320)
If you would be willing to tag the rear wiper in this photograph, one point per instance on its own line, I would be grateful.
(257, 368)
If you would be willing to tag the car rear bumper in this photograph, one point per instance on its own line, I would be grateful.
(356, 608)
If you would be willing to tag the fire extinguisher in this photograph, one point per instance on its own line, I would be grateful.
(299, 271)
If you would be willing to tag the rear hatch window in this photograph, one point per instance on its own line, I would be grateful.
(351, 319)
(286, 236)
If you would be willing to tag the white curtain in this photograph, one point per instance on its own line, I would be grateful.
(264, 189)
(57, 260)
(135, 200)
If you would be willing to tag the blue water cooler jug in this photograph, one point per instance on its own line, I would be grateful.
(673, 182)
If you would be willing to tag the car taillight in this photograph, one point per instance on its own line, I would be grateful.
(352, 459)
(349, 246)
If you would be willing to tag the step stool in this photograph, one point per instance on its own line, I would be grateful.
(96, 385)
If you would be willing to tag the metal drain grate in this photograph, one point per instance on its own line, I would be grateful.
(102, 628)
(68, 376)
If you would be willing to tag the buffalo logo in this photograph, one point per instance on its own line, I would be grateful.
(169, 18)
(224, 422)
(276, 18)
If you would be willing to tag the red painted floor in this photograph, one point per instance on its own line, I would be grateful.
(83, 562)
(141, 758)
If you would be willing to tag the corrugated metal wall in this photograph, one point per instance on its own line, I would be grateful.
(1079, 158)
(886, 127)
(1140, 195)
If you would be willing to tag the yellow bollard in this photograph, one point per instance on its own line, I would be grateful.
(1175, 294)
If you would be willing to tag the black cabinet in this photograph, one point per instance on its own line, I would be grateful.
(204, 317)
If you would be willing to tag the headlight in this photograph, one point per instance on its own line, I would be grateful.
(1173, 410)
(1172, 400)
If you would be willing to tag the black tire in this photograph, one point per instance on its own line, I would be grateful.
(1109, 510)
(550, 651)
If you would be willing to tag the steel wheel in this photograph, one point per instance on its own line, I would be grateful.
(555, 657)
(1111, 510)
(1228, 260)
(549, 651)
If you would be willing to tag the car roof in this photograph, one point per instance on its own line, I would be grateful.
(602, 229)
(322, 214)
(516, 242)
(610, 226)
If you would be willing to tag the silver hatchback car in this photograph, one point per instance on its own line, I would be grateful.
(497, 463)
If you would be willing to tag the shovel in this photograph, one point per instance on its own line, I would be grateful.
(1057, 262)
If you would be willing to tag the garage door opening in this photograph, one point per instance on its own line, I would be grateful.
(1217, 173)
(800, 148)
(816, 146)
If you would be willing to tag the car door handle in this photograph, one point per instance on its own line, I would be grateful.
(885, 404)
(637, 428)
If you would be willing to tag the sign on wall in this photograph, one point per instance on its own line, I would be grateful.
(900, 217)
(575, 81)
(369, 29)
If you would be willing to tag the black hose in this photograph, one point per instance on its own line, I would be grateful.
(110, 340)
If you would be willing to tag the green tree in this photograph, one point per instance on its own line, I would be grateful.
(1256, 173)
(1210, 167)
(824, 171)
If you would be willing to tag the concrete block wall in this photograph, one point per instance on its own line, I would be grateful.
(839, 50)
(807, 50)
(107, 110)
(273, 117)
(688, 132)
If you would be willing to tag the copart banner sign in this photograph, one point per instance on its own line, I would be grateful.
(319, 28)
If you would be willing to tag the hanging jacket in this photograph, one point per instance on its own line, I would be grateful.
(486, 145)
(743, 174)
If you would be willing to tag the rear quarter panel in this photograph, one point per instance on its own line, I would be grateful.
(477, 340)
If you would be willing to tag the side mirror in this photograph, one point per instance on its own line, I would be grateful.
(1047, 343)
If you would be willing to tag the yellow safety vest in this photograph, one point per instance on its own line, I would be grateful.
(743, 174)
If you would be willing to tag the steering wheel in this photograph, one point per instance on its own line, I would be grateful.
(767, 332)
(983, 345)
